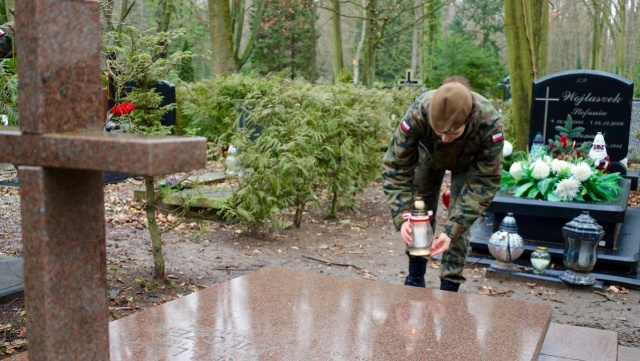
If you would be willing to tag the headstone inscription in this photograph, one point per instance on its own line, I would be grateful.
(596, 100)
(62, 151)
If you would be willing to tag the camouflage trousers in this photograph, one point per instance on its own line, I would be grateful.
(427, 183)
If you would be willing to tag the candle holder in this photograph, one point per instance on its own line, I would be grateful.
(506, 245)
(540, 260)
(422, 233)
(581, 236)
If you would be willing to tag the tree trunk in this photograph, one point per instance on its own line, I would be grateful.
(621, 23)
(431, 36)
(416, 44)
(363, 33)
(237, 22)
(106, 6)
(9, 5)
(220, 26)
(522, 64)
(369, 65)
(338, 62)
(313, 63)
(540, 34)
(297, 218)
(164, 15)
(154, 231)
(596, 37)
(240, 60)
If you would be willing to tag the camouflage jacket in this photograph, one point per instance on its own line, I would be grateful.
(6, 40)
(478, 152)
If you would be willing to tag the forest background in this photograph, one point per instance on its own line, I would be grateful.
(431, 37)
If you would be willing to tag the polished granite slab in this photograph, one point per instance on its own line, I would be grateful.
(279, 314)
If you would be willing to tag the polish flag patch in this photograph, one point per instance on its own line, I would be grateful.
(406, 127)
(497, 137)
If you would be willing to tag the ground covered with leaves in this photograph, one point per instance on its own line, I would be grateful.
(201, 253)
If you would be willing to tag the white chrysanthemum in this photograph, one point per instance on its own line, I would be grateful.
(547, 159)
(516, 170)
(558, 166)
(540, 169)
(567, 189)
(581, 171)
(507, 149)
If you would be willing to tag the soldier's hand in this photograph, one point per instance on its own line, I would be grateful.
(440, 244)
(406, 230)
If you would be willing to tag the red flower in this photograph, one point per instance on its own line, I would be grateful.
(122, 109)
(563, 140)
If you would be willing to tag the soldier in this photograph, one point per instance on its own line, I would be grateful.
(6, 40)
(451, 128)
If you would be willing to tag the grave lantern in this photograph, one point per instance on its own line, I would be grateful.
(422, 233)
(506, 245)
(581, 236)
(537, 148)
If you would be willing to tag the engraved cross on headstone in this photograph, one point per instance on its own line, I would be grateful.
(61, 153)
(546, 112)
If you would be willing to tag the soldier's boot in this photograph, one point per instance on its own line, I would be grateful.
(417, 269)
(448, 285)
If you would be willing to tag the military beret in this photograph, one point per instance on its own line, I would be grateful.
(449, 107)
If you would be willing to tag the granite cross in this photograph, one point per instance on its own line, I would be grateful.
(61, 153)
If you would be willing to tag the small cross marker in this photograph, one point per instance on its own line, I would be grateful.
(409, 81)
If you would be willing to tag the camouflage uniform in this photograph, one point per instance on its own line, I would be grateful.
(6, 40)
(417, 159)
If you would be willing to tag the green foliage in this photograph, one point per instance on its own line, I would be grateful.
(9, 91)
(482, 20)
(457, 54)
(284, 43)
(142, 58)
(564, 145)
(509, 127)
(207, 107)
(322, 142)
(3, 12)
(392, 63)
(185, 70)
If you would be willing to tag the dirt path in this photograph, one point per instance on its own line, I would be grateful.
(363, 245)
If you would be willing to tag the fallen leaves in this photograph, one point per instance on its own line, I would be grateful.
(605, 295)
(487, 290)
(618, 289)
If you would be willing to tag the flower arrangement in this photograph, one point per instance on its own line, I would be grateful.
(564, 145)
(555, 180)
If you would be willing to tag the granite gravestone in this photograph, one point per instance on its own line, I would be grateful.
(62, 151)
(279, 314)
(597, 101)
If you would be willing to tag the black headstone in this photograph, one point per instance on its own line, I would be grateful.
(596, 100)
